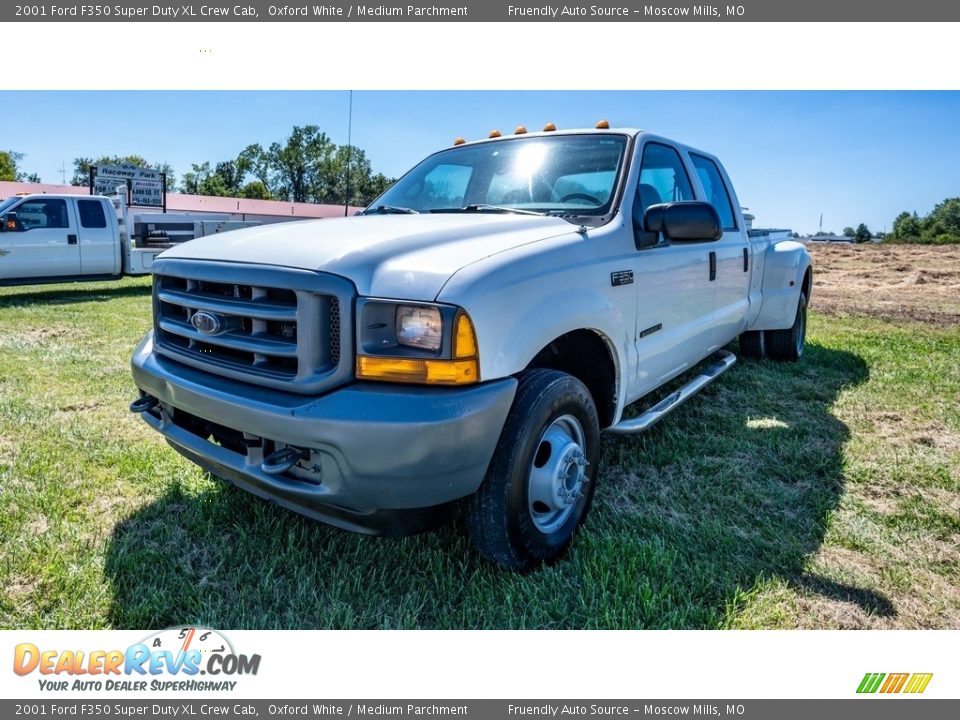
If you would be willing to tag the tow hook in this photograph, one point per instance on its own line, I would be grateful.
(144, 404)
(277, 463)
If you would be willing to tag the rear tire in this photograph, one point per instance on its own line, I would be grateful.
(540, 483)
(752, 344)
(787, 345)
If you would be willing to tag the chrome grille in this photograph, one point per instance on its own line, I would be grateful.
(281, 328)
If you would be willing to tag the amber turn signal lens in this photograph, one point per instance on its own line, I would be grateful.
(411, 370)
(465, 340)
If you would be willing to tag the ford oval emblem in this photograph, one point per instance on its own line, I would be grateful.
(207, 323)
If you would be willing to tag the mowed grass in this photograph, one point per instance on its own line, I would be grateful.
(824, 494)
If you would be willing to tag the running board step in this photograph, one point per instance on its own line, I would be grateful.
(722, 362)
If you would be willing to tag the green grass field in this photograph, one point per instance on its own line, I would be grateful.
(824, 494)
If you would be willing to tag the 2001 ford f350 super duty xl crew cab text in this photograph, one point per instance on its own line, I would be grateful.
(467, 336)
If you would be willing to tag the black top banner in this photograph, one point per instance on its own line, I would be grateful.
(491, 11)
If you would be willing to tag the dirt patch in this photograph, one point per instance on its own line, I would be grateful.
(902, 431)
(893, 282)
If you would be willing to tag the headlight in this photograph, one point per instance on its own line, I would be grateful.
(419, 326)
(415, 343)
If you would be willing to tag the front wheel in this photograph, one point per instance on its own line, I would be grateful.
(540, 483)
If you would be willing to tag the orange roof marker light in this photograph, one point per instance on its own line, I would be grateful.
(459, 141)
(549, 127)
(494, 133)
(603, 125)
(521, 130)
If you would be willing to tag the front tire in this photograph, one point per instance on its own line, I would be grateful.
(540, 483)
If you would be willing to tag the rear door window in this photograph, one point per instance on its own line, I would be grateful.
(716, 190)
(91, 214)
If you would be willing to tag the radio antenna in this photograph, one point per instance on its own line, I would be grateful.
(346, 197)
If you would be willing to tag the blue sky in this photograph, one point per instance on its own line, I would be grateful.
(854, 156)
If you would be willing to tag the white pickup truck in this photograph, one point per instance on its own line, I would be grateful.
(63, 238)
(468, 336)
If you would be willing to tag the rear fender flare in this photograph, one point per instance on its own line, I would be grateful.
(784, 271)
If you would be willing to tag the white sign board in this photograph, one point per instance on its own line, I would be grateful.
(108, 185)
(129, 172)
(147, 192)
(146, 184)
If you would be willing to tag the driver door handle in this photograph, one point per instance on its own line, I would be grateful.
(71, 239)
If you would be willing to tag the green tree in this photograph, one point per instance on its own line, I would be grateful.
(943, 220)
(298, 168)
(941, 226)
(8, 165)
(862, 234)
(906, 226)
(348, 178)
(255, 190)
(10, 168)
(225, 180)
(849, 231)
(305, 167)
(192, 178)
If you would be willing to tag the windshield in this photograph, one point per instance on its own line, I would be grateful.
(8, 203)
(559, 175)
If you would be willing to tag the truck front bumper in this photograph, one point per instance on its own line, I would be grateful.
(376, 456)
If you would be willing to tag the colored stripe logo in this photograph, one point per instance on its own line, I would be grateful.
(914, 683)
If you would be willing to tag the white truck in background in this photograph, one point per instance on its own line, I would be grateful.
(64, 238)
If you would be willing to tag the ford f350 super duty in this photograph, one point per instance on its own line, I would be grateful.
(468, 336)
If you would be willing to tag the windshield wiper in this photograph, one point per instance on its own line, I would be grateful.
(482, 207)
(391, 210)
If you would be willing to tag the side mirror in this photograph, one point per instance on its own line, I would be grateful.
(9, 222)
(684, 221)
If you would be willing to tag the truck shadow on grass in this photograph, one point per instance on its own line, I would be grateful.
(732, 490)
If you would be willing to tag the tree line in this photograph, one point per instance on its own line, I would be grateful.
(10, 168)
(307, 166)
(940, 227)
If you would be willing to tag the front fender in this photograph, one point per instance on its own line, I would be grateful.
(511, 336)
(785, 265)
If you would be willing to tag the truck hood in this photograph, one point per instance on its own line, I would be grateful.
(395, 256)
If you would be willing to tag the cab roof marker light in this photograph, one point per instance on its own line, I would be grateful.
(459, 141)
(549, 127)
(521, 130)
(603, 125)
(494, 134)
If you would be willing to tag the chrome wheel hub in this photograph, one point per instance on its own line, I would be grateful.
(558, 474)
